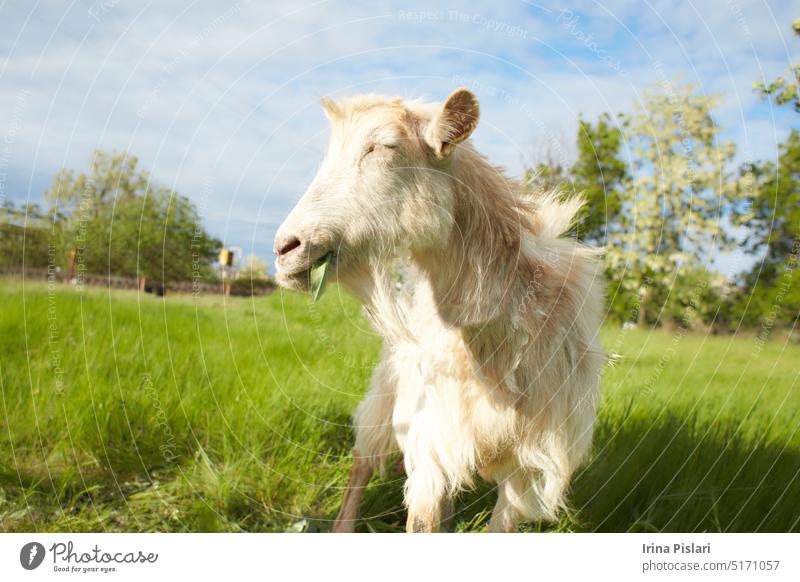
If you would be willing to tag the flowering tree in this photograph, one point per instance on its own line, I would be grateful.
(671, 221)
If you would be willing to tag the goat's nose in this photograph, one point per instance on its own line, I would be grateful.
(288, 245)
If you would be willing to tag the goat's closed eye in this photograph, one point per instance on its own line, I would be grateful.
(377, 147)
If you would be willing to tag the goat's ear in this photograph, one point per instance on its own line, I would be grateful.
(454, 122)
(331, 108)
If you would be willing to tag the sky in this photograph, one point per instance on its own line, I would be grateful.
(220, 101)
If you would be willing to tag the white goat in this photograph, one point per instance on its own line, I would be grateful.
(492, 365)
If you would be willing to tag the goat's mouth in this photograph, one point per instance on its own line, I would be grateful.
(298, 276)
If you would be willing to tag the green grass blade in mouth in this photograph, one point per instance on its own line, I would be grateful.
(318, 276)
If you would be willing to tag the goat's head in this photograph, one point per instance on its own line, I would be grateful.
(384, 183)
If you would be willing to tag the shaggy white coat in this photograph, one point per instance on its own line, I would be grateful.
(491, 362)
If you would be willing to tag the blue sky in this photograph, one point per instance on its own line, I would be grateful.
(220, 101)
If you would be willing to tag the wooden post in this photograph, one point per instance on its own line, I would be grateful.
(71, 263)
(642, 320)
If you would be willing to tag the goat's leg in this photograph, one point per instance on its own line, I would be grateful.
(426, 500)
(375, 443)
(360, 474)
(505, 517)
(514, 500)
(518, 501)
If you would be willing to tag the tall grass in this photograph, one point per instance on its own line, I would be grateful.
(125, 412)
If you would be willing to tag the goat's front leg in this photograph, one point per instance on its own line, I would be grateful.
(426, 499)
(518, 500)
(360, 474)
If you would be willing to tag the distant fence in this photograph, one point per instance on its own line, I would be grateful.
(239, 288)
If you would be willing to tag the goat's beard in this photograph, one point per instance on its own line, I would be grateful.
(295, 282)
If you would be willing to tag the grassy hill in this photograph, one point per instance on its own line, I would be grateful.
(123, 412)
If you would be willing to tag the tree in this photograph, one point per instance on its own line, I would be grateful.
(252, 278)
(780, 89)
(111, 175)
(671, 218)
(547, 176)
(161, 237)
(772, 192)
(600, 174)
(119, 223)
(773, 195)
(28, 236)
(550, 172)
(254, 268)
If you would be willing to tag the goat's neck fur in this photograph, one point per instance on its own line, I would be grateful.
(473, 270)
(500, 268)
(501, 279)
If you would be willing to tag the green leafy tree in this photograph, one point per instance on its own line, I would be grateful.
(112, 176)
(160, 237)
(773, 221)
(547, 176)
(600, 174)
(29, 236)
(773, 196)
(782, 90)
(121, 224)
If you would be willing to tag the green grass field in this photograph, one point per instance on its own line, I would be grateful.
(122, 412)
